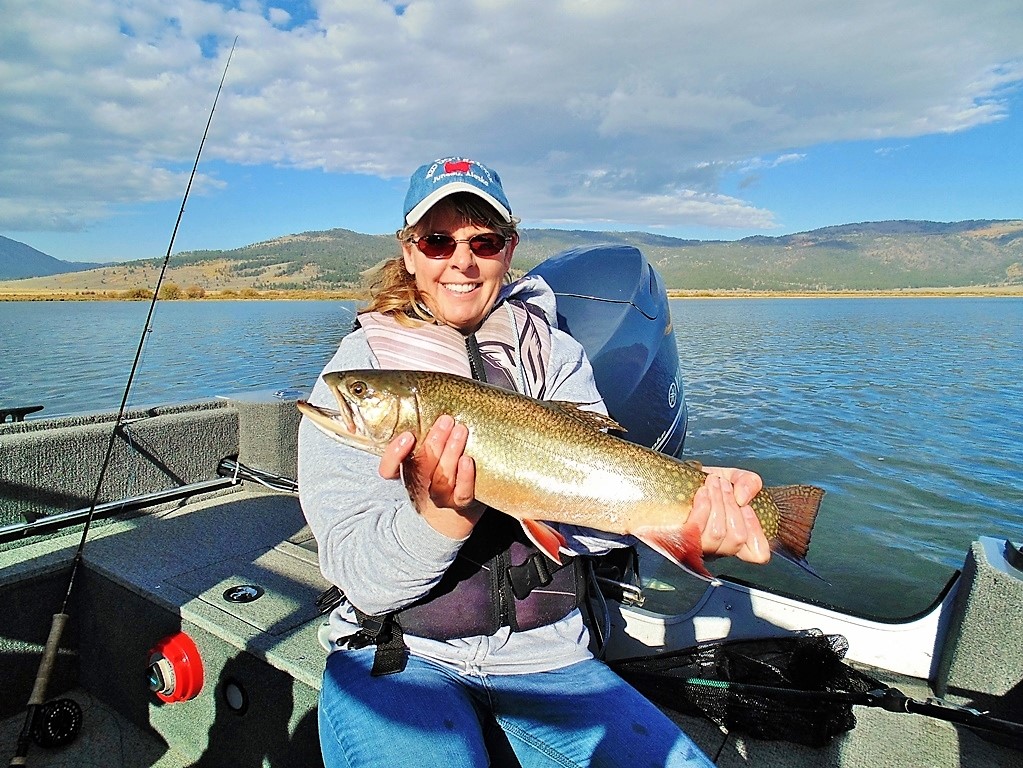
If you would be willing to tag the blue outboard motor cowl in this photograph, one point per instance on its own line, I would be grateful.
(613, 302)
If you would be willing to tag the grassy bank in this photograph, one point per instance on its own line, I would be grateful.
(975, 291)
(313, 295)
(246, 294)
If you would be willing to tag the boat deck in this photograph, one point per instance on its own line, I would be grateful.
(107, 740)
(150, 576)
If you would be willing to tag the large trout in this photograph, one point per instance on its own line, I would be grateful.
(538, 460)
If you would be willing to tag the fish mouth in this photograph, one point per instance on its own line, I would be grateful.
(338, 424)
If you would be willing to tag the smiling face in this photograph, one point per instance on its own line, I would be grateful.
(459, 289)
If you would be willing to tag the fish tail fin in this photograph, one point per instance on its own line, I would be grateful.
(798, 506)
(680, 544)
(548, 540)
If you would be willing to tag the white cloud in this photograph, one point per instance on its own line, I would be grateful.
(890, 150)
(760, 163)
(604, 110)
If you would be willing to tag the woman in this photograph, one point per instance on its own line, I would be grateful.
(440, 656)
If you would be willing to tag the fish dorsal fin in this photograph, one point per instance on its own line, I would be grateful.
(587, 418)
(693, 463)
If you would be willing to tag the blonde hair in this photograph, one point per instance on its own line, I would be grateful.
(393, 290)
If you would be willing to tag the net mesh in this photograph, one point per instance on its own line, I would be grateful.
(770, 688)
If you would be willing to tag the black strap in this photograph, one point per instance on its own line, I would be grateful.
(476, 364)
(537, 571)
(392, 654)
(383, 631)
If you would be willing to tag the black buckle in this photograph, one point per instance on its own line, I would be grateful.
(535, 572)
(329, 599)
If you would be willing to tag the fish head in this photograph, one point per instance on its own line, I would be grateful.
(373, 407)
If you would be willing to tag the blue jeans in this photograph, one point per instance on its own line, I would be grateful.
(429, 715)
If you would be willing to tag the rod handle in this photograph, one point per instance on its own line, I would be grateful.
(38, 695)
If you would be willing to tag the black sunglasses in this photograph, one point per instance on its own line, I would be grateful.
(441, 246)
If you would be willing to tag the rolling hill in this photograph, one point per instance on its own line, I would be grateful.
(887, 255)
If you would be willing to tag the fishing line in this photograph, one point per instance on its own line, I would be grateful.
(36, 699)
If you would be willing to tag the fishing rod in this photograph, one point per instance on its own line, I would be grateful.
(49, 657)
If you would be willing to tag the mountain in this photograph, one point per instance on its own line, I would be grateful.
(886, 255)
(18, 260)
(867, 256)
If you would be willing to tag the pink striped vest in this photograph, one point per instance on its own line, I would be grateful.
(514, 342)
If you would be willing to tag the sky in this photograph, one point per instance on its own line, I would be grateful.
(705, 119)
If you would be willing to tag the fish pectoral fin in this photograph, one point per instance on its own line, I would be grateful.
(680, 543)
(410, 479)
(591, 419)
(547, 540)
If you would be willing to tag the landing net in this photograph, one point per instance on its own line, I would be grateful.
(788, 688)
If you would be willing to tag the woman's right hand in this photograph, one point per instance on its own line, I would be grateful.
(440, 478)
(722, 511)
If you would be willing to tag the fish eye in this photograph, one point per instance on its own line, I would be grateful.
(358, 388)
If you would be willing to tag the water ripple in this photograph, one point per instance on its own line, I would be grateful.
(907, 411)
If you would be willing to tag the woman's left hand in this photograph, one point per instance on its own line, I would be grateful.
(722, 511)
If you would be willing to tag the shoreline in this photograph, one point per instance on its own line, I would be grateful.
(251, 294)
(972, 291)
(245, 294)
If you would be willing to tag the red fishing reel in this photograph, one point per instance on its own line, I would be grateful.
(175, 669)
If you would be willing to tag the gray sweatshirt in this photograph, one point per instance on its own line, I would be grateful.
(384, 556)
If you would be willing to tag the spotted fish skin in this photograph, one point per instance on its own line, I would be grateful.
(551, 461)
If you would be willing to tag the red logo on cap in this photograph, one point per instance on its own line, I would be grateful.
(461, 166)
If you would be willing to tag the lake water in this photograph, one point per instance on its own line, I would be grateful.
(907, 411)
